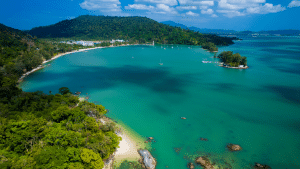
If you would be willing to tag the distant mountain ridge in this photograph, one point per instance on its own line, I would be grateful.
(212, 31)
(171, 23)
(201, 30)
(233, 32)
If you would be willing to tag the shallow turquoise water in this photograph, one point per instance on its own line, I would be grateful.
(257, 108)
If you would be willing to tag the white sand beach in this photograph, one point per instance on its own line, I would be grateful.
(128, 149)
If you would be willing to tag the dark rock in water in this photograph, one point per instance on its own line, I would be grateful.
(150, 138)
(183, 118)
(191, 166)
(203, 139)
(204, 162)
(148, 160)
(78, 93)
(234, 147)
(261, 166)
(177, 150)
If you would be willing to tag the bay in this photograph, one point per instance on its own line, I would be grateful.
(257, 108)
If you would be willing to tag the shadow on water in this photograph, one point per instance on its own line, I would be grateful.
(224, 87)
(288, 54)
(157, 80)
(290, 68)
(161, 109)
(273, 61)
(291, 94)
(272, 43)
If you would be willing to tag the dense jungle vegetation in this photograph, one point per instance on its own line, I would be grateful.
(46, 131)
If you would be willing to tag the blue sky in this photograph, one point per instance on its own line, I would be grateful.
(214, 14)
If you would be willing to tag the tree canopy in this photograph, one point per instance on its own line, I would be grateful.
(50, 131)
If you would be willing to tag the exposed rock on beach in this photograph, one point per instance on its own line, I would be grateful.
(148, 160)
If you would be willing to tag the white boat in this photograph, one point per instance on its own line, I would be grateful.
(160, 63)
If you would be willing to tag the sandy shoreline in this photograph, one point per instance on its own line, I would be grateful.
(62, 54)
(128, 147)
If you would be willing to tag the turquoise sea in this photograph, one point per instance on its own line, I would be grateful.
(257, 108)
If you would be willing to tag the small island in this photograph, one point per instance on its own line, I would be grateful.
(234, 61)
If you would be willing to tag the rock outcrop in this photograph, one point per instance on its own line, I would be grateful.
(148, 160)
(261, 166)
(191, 166)
(234, 147)
(203, 139)
(204, 162)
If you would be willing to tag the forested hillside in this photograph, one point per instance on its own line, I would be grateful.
(137, 29)
(46, 131)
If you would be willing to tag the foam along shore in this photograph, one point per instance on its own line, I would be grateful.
(62, 54)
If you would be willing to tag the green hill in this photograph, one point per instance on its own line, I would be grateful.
(46, 131)
(137, 29)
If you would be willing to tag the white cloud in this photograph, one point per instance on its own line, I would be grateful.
(166, 2)
(190, 13)
(203, 7)
(162, 8)
(232, 8)
(208, 3)
(214, 15)
(196, 2)
(139, 7)
(208, 11)
(186, 7)
(294, 4)
(102, 5)
(246, 1)
(231, 13)
(239, 4)
(267, 8)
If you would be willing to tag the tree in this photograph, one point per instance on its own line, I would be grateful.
(64, 90)
(91, 159)
(244, 61)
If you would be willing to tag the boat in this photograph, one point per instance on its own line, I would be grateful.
(160, 63)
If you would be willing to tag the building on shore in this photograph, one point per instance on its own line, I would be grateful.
(118, 40)
(85, 43)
